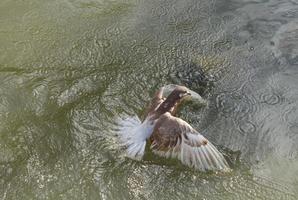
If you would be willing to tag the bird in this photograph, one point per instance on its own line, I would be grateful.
(168, 135)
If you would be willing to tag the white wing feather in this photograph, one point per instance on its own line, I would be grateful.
(203, 157)
(197, 152)
(133, 135)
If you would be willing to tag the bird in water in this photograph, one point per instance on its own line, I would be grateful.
(169, 135)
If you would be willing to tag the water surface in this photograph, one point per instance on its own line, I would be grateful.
(69, 68)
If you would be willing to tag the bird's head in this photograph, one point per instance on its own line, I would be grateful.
(181, 93)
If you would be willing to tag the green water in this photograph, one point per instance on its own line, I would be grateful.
(69, 68)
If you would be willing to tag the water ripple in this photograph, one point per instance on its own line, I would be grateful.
(247, 127)
(234, 105)
(270, 99)
(290, 115)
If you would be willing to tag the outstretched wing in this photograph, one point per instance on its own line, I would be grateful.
(173, 137)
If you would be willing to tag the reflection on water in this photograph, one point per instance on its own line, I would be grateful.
(68, 68)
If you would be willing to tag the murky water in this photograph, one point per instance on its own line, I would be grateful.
(68, 68)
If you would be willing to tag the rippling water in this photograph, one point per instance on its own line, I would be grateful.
(68, 68)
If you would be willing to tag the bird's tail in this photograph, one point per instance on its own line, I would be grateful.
(133, 134)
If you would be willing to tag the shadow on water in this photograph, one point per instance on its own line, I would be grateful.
(69, 68)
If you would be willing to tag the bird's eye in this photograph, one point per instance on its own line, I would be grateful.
(182, 94)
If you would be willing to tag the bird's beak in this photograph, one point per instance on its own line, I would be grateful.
(195, 98)
(186, 94)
